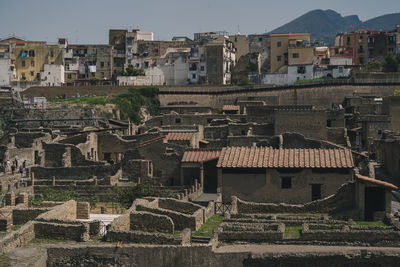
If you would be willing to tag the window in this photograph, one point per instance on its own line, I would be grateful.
(278, 58)
(279, 44)
(102, 75)
(177, 120)
(69, 76)
(137, 65)
(286, 182)
(31, 53)
(101, 50)
(32, 73)
(102, 64)
(301, 69)
(329, 123)
(202, 68)
(194, 76)
(260, 39)
(340, 69)
(23, 63)
(295, 55)
(32, 63)
(146, 65)
(51, 53)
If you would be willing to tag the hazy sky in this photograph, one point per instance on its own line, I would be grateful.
(88, 21)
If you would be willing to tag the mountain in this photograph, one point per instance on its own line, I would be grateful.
(325, 24)
(384, 23)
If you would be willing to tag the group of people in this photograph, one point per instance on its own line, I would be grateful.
(14, 166)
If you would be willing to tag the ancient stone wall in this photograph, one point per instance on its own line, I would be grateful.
(140, 237)
(149, 222)
(17, 238)
(75, 173)
(342, 201)
(76, 232)
(21, 215)
(318, 95)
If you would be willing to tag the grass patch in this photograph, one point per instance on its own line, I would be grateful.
(15, 227)
(369, 223)
(292, 232)
(208, 228)
(177, 233)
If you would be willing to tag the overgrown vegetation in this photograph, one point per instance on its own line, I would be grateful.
(209, 227)
(370, 223)
(396, 92)
(392, 63)
(50, 194)
(292, 231)
(131, 102)
(128, 103)
(127, 195)
(130, 71)
(374, 66)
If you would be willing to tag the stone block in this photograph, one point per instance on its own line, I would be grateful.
(83, 210)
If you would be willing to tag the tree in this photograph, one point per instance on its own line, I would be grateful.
(392, 63)
(374, 66)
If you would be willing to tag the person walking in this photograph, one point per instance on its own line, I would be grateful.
(12, 169)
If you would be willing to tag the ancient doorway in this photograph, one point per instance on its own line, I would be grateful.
(315, 192)
(374, 201)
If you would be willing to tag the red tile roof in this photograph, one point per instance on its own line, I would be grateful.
(200, 155)
(182, 136)
(150, 141)
(377, 182)
(231, 107)
(268, 157)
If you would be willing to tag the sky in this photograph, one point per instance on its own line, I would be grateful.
(88, 21)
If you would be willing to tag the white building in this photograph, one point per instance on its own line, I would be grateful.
(52, 75)
(5, 72)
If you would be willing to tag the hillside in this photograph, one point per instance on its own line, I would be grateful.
(325, 24)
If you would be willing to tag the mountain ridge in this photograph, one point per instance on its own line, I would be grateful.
(325, 24)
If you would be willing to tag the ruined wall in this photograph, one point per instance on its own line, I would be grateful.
(149, 222)
(341, 202)
(318, 95)
(265, 185)
(48, 230)
(158, 256)
(75, 173)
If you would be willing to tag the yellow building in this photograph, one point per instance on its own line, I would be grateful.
(279, 49)
(29, 58)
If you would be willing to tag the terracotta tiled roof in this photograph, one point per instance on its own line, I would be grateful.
(377, 182)
(268, 157)
(200, 155)
(150, 141)
(231, 107)
(182, 136)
